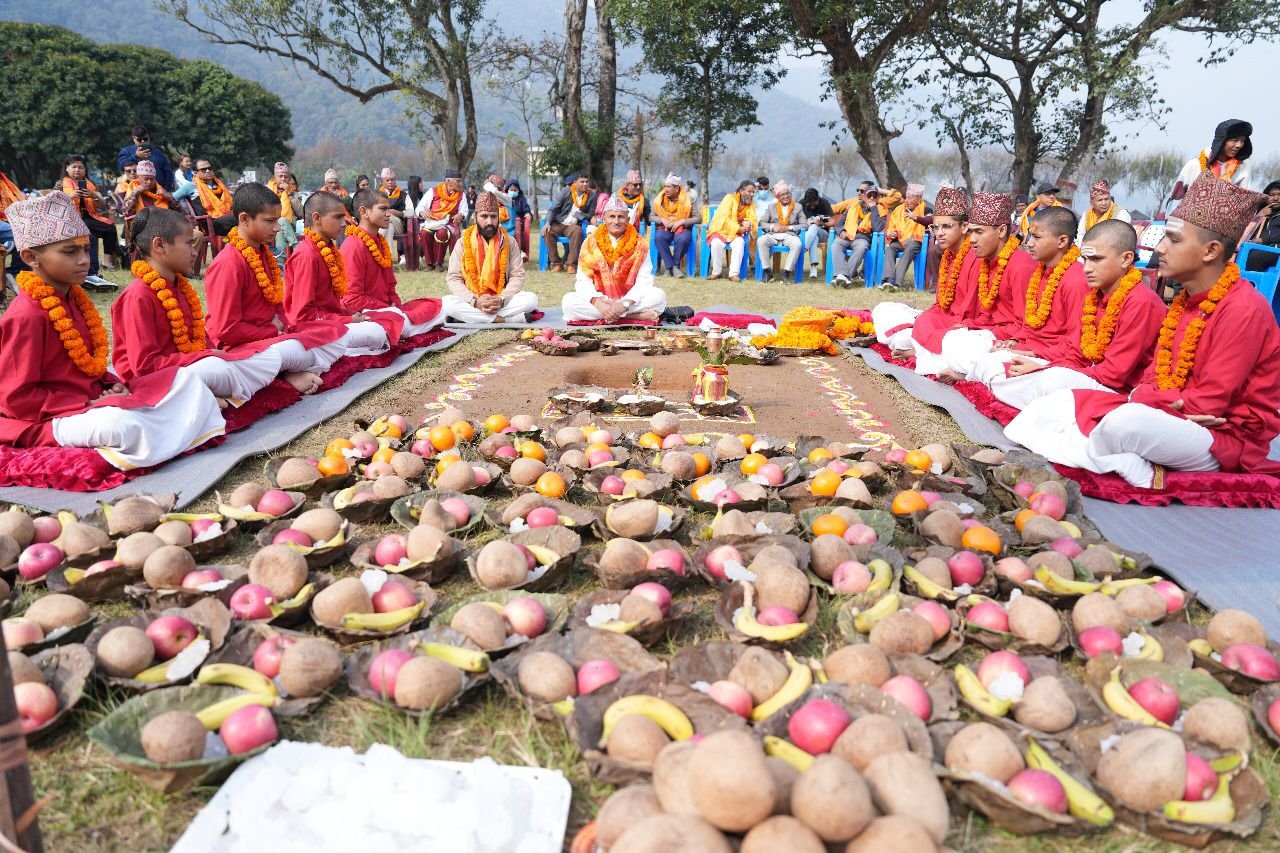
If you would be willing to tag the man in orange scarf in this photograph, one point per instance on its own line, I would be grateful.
(677, 212)
(614, 282)
(783, 221)
(214, 197)
(486, 273)
(904, 235)
(1101, 208)
(632, 194)
(1046, 196)
(442, 210)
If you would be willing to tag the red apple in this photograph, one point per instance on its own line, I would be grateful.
(1202, 780)
(599, 457)
(506, 451)
(911, 693)
(595, 674)
(383, 670)
(482, 475)
(458, 508)
(543, 516)
(666, 559)
(422, 447)
(732, 696)
(1273, 716)
(816, 725)
(266, 658)
(171, 634)
(1024, 489)
(997, 664)
(938, 617)
(38, 560)
(776, 614)
(390, 550)
(37, 703)
(1158, 698)
(673, 440)
(19, 632)
(531, 562)
(860, 534)
(102, 566)
(613, 485)
(1067, 547)
(851, 578)
(393, 595)
(200, 577)
(1014, 569)
(1047, 503)
(719, 559)
(526, 616)
(47, 528)
(291, 536)
(655, 592)
(600, 436)
(897, 454)
(248, 728)
(966, 568)
(838, 465)
(1174, 596)
(770, 473)
(399, 422)
(727, 498)
(930, 498)
(989, 615)
(366, 448)
(275, 502)
(200, 525)
(252, 601)
(1254, 661)
(1098, 639)
(1039, 788)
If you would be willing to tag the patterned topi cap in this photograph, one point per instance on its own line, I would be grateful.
(993, 209)
(486, 203)
(951, 202)
(615, 202)
(1099, 187)
(633, 177)
(41, 221)
(1216, 205)
(146, 169)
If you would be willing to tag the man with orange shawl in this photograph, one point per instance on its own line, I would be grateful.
(615, 275)
(1101, 208)
(733, 228)
(486, 273)
(442, 211)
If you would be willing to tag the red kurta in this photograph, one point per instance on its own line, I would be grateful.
(309, 295)
(1236, 376)
(240, 316)
(936, 321)
(1068, 302)
(371, 286)
(1129, 354)
(1005, 317)
(38, 381)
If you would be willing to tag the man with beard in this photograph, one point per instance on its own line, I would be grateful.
(486, 273)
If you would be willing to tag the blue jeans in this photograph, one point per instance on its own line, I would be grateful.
(672, 248)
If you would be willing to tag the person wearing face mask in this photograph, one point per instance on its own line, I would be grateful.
(521, 215)
(486, 273)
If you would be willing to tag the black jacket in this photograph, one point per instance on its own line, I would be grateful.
(564, 202)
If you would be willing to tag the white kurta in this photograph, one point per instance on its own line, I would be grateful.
(643, 296)
(513, 309)
(1021, 391)
(888, 316)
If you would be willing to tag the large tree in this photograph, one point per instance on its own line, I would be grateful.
(587, 141)
(421, 50)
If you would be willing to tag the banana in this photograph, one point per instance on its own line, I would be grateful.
(1061, 586)
(745, 622)
(617, 626)
(157, 674)
(189, 517)
(545, 556)
(213, 715)
(669, 717)
(1217, 809)
(278, 607)
(1151, 648)
(977, 695)
(1124, 705)
(466, 660)
(382, 621)
(73, 576)
(818, 671)
(798, 681)
(1229, 762)
(493, 605)
(1113, 588)
(246, 678)
(795, 756)
(564, 707)
(881, 576)
(1081, 802)
(867, 619)
(926, 587)
(1072, 530)
(1201, 647)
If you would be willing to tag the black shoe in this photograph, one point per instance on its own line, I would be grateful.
(768, 275)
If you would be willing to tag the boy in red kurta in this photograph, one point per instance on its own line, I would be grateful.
(55, 388)
(1209, 400)
(371, 285)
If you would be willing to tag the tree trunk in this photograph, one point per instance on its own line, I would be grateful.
(637, 150)
(606, 97)
(708, 138)
(575, 19)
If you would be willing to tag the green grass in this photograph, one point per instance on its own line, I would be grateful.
(96, 806)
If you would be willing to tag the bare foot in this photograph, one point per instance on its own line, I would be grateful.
(903, 353)
(224, 403)
(305, 383)
(643, 316)
(949, 377)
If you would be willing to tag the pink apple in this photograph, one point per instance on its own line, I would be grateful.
(19, 632)
(930, 498)
(291, 536)
(543, 516)
(599, 457)
(595, 674)
(860, 534)
(252, 601)
(266, 658)
(1158, 698)
(1024, 489)
(613, 485)
(102, 566)
(526, 616)
(1014, 569)
(1047, 503)
(719, 559)
(1273, 716)
(1202, 780)
(384, 668)
(482, 475)
(732, 696)
(47, 528)
(938, 617)
(390, 550)
(770, 473)
(200, 577)
(816, 725)
(38, 560)
(600, 436)
(1174, 596)
(897, 454)
(200, 525)
(1039, 788)
(655, 592)
(851, 578)
(531, 562)
(1098, 639)
(393, 595)
(989, 615)
(911, 693)
(171, 634)
(1067, 547)
(506, 451)
(727, 498)
(838, 465)
(458, 508)
(362, 497)
(966, 568)
(423, 447)
(275, 502)
(997, 664)
(1254, 661)
(776, 614)
(37, 703)
(970, 523)
(673, 440)
(666, 559)
(366, 448)
(374, 470)
(399, 422)
(248, 728)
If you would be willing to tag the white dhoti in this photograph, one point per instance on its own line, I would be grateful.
(513, 309)
(237, 380)
(766, 242)
(295, 358)
(964, 348)
(895, 317)
(411, 328)
(577, 306)
(1128, 441)
(364, 338)
(186, 417)
(1022, 391)
(736, 247)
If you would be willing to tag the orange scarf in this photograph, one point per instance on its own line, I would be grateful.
(681, 208)
(613, 267)
(1222, 168)
(146, 198)
(87, 205)
(444, 203)
(286, 202)
(784, 216)
(1092, 218)
(484, 262)
(580, 203)
(1096, 334)
(216, 200)
(391, 194)
(92, 363)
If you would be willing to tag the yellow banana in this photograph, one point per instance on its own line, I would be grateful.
(493, 605)
(977, 695)
(213, 715)
(818, 671)
(669, 717)
(745, 622)
(1081, 802)
(157, 674)
(867, 619)
(798, 681)
(278, 607)
(242, 514)
(788, 752)
(927, 587)
(1113, 588)
(1061, 586)
(1151, 648)
(881, 576)
(189, 517)
(1230, 762)
(1217, 809)
(1072, 530)
(564, 707)
(617, 626)
(73, 576)
(382, 621)
(466, 660)
(545, 556)
(246, 678)
(339, 539)
(1124, 705)
(1200, 647)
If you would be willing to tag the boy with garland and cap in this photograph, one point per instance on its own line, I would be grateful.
(55, 389)
(1209, 400)
(441, 212)
(486, 273)
(614, 282)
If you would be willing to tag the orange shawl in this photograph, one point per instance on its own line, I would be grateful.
(444, 203)
(483, 269)
(87, 205)
(216, 200)
(613, 267)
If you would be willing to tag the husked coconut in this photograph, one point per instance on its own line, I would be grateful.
(671, 780)
(1145, 769)
(247, 495)
(828, 551)
(867, 738)
(832, 799)
(390, 486)
(633, 518)
(1040, 529)
(1142, 602)
(458, 477)
(408, 465)
(481, 624)
(434, 515)
(500, 565)
(625, 807)
(982, 748)
(679, 464)
(133, 514)
(784, 777)
(861, 663)
(636, 739)
(903, 783)
(732, 523)
(1218, 722)
(343, 596)
(903, 632)
(425, 683)
(280, 569)
(637, 608)
(1045, 705)
(172, 737)
(125, 651)
(426, 543)
(1097, 609)
(16, 523)
(320, 524)
(782, 832)
(309, 667)
(166, 566)
(57, 610)
(759, 673)
(895, 833)
(24, 669)
(1231, 627)
(1054, 562)
(1032, 620)
(622, 556)
(175, 533)
(732, 787)
(134, 549)
(546, 677)
(944, 526)
(666, 832)
(79, 539)
(935, 570)
(525, 471)
(296, 472)
(782, 585)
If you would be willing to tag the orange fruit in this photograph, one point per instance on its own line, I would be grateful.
(496, 423)
(701, 464)
(820, 454)
(829, 523)
(1023, 517)
(533, 450)
(631, 474)
(442, 438)
(918, 460)
(907, 502)
(445, 461)
(747, 439)
(550, 485)
(824, 483)
(335, 447)
(651, 441)
(331, 465)
(463, 430)
(390, 431)
(981, 538)
(751, 463)
(384, 454)
(597, 445)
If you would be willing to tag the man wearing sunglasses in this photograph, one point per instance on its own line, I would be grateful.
(142, 149)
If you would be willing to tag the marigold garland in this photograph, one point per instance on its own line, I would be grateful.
(270, 282)
(1171, 376)
(988, 285)
(949, 274)
(796, 337)
(92, 364)
(379, 248)
(1095, 334)
(186, 340)
(332, 260)
(1040, 302)
(471, 262)
(622, 248)
(1228, 168)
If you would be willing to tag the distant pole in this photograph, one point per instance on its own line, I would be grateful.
(16, 797)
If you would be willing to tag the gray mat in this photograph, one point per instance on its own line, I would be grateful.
(553, 318)
(190, 476)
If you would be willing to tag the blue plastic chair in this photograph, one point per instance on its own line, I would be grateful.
(921, 262)
(1265, 281)
(704, 255)
(872, 261)
(763, 263)
(543, 262)
(690, 257)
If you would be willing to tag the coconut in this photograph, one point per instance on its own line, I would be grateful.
(749, 491)
(895, 833)
(638, 608)
(679, 464)
(858, 664)
(759, 673)
(546, 677)
(1145, 769)
(633, 518)
(1142, 602)
(501, 565)
(133, 514)
(1218, 722)
(665, 832)
(296, 472)
(320, 524)
(1098, 609)
(408, 465)
(436, 516)
(940, 455)
(525, 472)
(309, 667)
(903, 632)
(23, 669)
(665, 424)
(904, 783)
(782, 585)
(944, 526)
(730, 448)
(125, 651)
(1231, 627)
(827, 552)
(625, 807)
(982, 748)
(10, 550)
(1055, 562)
(523, 423)
(16, 523)
(671, 779)
(57, 611)
(853, 490)
(732, 523)
(5, 590)
(623, 555)
(1032, 620)
(1045, 705)
(78, 539)
(1097, 560)
(781, 832)
(426, 543)
(247, 495)
(280, 569)
(458, 477)
(1040, 529)
(832, 799)
(775, 554)
(172, 737)
(390, 486)
(489, 446)
(867, 738)
(175, 533)
(425, 683)
(167, 565)
(134, 549)
(569, 435)
(636, 739)
(866, 469)
(731, 784)
(481, 624)
(344, 596)
(784, 777)
(935, 570)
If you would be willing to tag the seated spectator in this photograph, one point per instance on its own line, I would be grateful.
(732, 229)
(414, 190)
(441, 212)
(290, 209)
(141, 150)
(1264, 229)
(632, 195)
(568, 217)
(818, 216)
(214, 197)
(521, 213)
(1101, 208)
(782, 223)
(363, 182)
(763, 196)
(677, 212)
(904, 235)
(145, 192)
(184, 178)
(864, 216)
(127, 177)
(396, 220)
(93, 209)
(486, 278)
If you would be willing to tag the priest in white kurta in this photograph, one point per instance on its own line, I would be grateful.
(615, 275)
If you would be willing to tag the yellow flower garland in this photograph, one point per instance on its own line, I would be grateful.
(187, 341)
(380, 250)
(333, 260)
(92, 364)
(1040, 302)
(270, 282)
(987, 293)
(1096, 335)
(1171, 376)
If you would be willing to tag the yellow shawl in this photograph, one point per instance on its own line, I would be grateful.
(729, 215)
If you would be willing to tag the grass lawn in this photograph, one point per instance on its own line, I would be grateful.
(97, 807)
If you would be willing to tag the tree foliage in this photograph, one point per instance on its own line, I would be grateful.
(65, 94)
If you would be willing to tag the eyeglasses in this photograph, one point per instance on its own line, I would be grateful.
(141, 139)
(204, 169)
